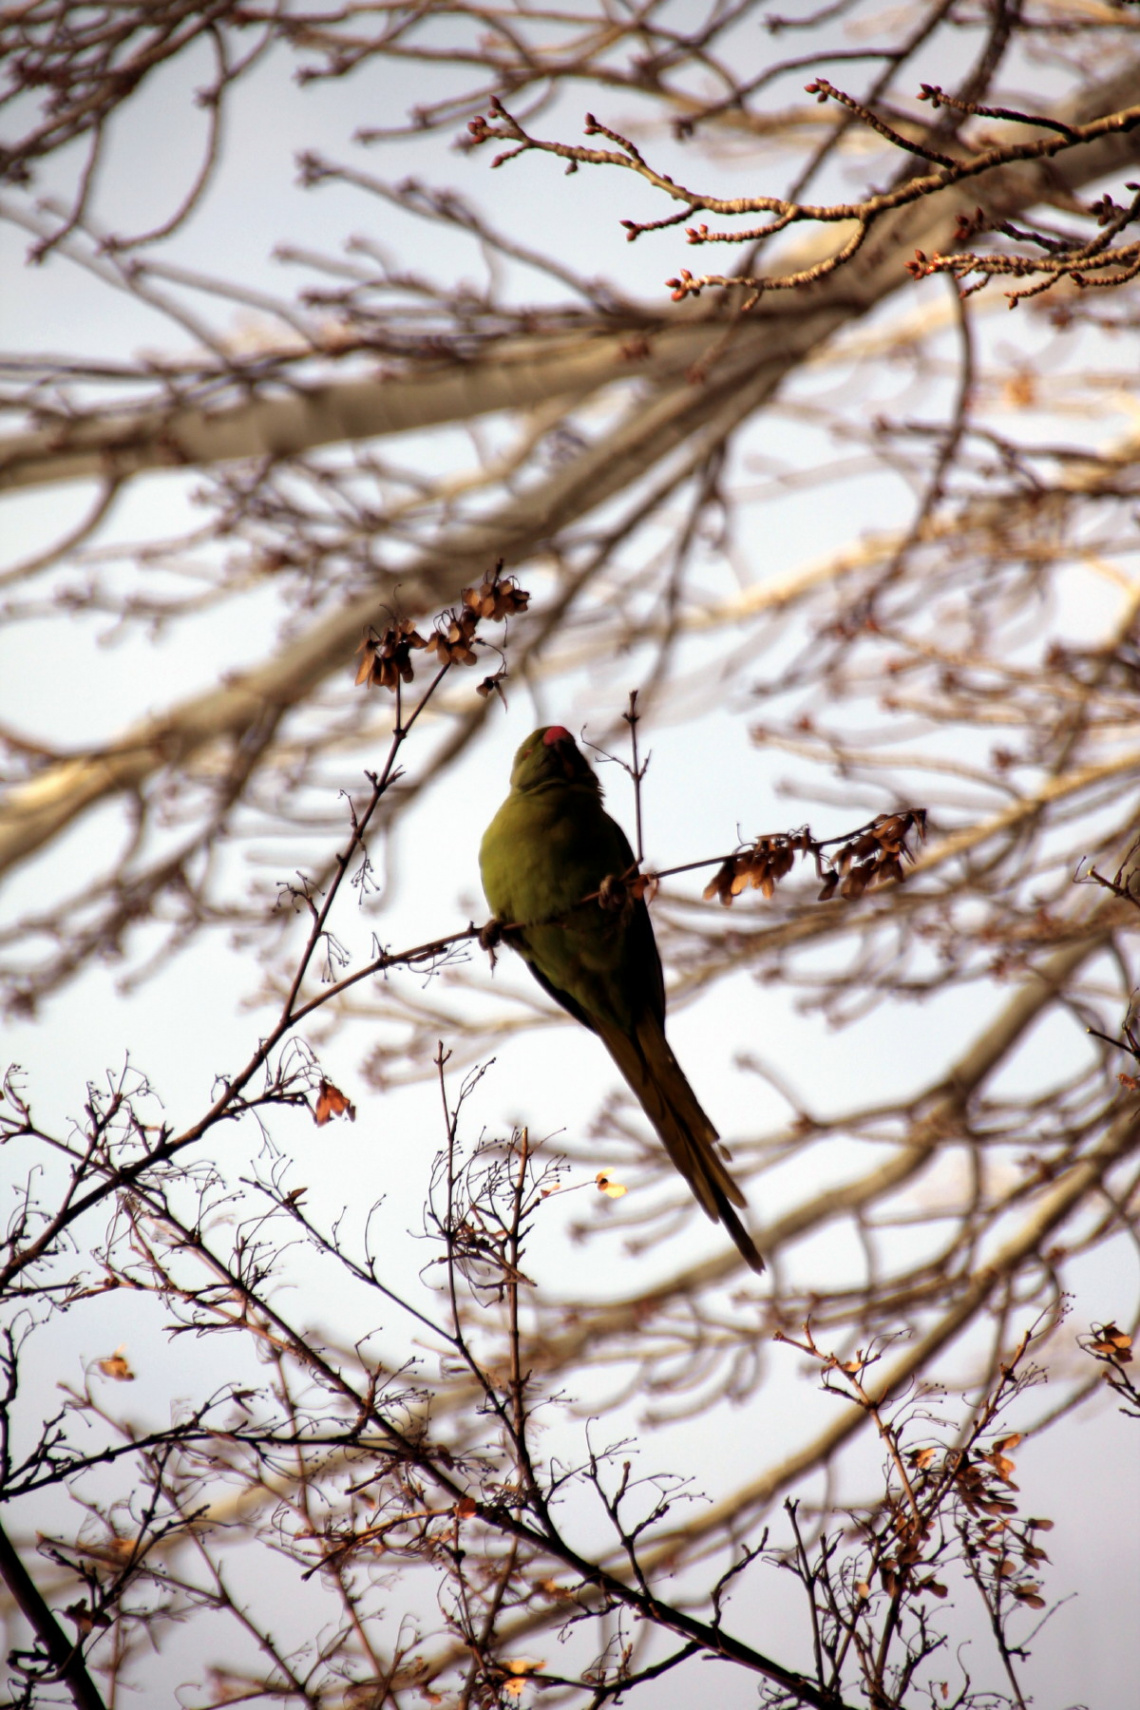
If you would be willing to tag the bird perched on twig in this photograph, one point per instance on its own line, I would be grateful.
(553, 864)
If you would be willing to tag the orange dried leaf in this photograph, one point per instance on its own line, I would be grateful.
(614, 1190)
(1110, 1340)
(368, 649)
(721, 886)
(477, 600)
(115, 1366)
(520, 1669)
(466, 1507)
(332, 1102)
(644, 885)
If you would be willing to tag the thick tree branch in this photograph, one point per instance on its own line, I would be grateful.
(744, 370)
(65, 1656)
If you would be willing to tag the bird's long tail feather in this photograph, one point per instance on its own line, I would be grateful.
(655, 1076)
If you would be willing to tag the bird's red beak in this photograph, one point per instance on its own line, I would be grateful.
(559, 739)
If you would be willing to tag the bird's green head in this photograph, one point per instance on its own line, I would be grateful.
(551, 756)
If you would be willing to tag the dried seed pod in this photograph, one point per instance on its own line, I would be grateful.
(891, 828)
(720, 885)
(856, 881)
(496, 598)
(387, 658)
(493, 686)
(783, 862)
(453, 645)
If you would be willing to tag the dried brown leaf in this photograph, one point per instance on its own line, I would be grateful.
(332, 1102)
(116, 1366)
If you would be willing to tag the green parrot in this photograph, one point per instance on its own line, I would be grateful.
(551, 845)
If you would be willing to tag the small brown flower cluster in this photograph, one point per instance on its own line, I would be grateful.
(452, 644)
(872, 856)
(769, 860)
(1111, 1348)
(979, 1481)
(1111, 1343)
(496, 597)
(387, 658)
(999, 1545)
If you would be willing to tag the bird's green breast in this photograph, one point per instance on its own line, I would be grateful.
(546, 849)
